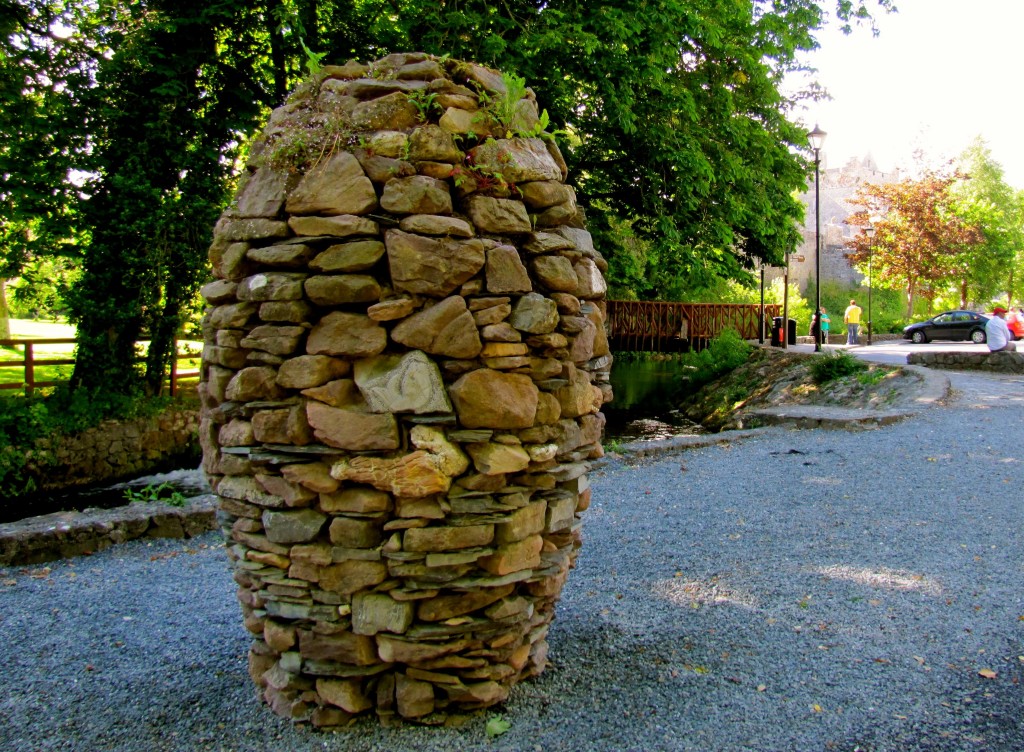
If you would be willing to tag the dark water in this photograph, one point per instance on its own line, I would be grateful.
(644, 405)
(188, 482)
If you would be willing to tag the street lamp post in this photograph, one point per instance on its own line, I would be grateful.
(869, 231)
(817, 140)
(760, 317)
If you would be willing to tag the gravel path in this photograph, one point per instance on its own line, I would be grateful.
(796, 590)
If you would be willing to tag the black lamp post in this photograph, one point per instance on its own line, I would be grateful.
(817, 139)
(760, 317)
(869, 231)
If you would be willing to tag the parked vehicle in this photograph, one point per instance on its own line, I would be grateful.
(1015, 322)
(951, 325)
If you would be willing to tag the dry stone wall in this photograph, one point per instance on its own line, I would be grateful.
(116, 449)
(404, 367)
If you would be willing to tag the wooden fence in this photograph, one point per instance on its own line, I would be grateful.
(673, 327)
(30, 362)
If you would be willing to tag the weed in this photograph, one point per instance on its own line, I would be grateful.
(835, 366)
(724, 353)
(872, 376)
(312, 58)
(306, 143)
(613, 445)
(163, 494)
(424, 103)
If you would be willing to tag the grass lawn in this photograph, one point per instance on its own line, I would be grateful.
(33, 329)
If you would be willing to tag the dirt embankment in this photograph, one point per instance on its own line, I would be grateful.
(774, 377)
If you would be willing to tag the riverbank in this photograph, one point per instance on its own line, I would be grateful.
(773, 379)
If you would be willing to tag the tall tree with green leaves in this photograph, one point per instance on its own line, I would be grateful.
(185, 85)
(46, 61)
(987, 269)
(678, 134)
(678, 139)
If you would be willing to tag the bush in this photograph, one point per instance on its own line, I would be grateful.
(835, 366)
(724, 353)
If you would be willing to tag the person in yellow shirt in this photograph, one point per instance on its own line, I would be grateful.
(852, 320)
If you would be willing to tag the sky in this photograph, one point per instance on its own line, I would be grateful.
(940, 73)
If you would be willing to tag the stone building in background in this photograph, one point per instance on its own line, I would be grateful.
(838, 185)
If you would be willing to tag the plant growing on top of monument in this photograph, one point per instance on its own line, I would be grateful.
(476, 179)
(382, 71)
(306, 141)
(424, 103)
(312, 58)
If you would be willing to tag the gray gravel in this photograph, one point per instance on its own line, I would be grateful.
(795, 590)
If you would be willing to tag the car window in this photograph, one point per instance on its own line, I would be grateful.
(945, 318)
(976, 317)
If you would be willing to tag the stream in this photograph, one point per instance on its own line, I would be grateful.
(641, 411)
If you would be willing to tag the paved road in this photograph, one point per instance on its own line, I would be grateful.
(895, 351)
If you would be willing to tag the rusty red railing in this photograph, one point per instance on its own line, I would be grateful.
(635, 325)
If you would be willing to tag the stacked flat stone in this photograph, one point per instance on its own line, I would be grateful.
(404, 366)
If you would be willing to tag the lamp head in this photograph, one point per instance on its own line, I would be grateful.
(816, 138)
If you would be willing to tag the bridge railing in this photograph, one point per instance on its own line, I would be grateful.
(637, 325)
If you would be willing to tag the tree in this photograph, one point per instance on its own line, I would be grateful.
(678, 133)
(919, 236)
(185, 85)
(986, 201)
(45, 65)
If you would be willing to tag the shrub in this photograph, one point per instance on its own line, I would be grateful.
(834, 366)
(724, 353)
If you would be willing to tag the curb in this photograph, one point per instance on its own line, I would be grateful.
(934, 388)
(64, 534)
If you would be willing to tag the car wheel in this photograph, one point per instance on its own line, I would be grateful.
(978, 337)
(918, 338)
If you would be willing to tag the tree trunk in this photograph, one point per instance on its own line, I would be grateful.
(963, 293)
(277, 61)
(307, 12)
(910, 298)
(5, 311)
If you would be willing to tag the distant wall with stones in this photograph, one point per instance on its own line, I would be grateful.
(117, 449)
(999, 362)
(404, 366)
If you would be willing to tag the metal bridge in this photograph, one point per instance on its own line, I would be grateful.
(673, 327)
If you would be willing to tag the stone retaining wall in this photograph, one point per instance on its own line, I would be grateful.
(999, 362)
(405, 361)
(117, 449)
(64, 534)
